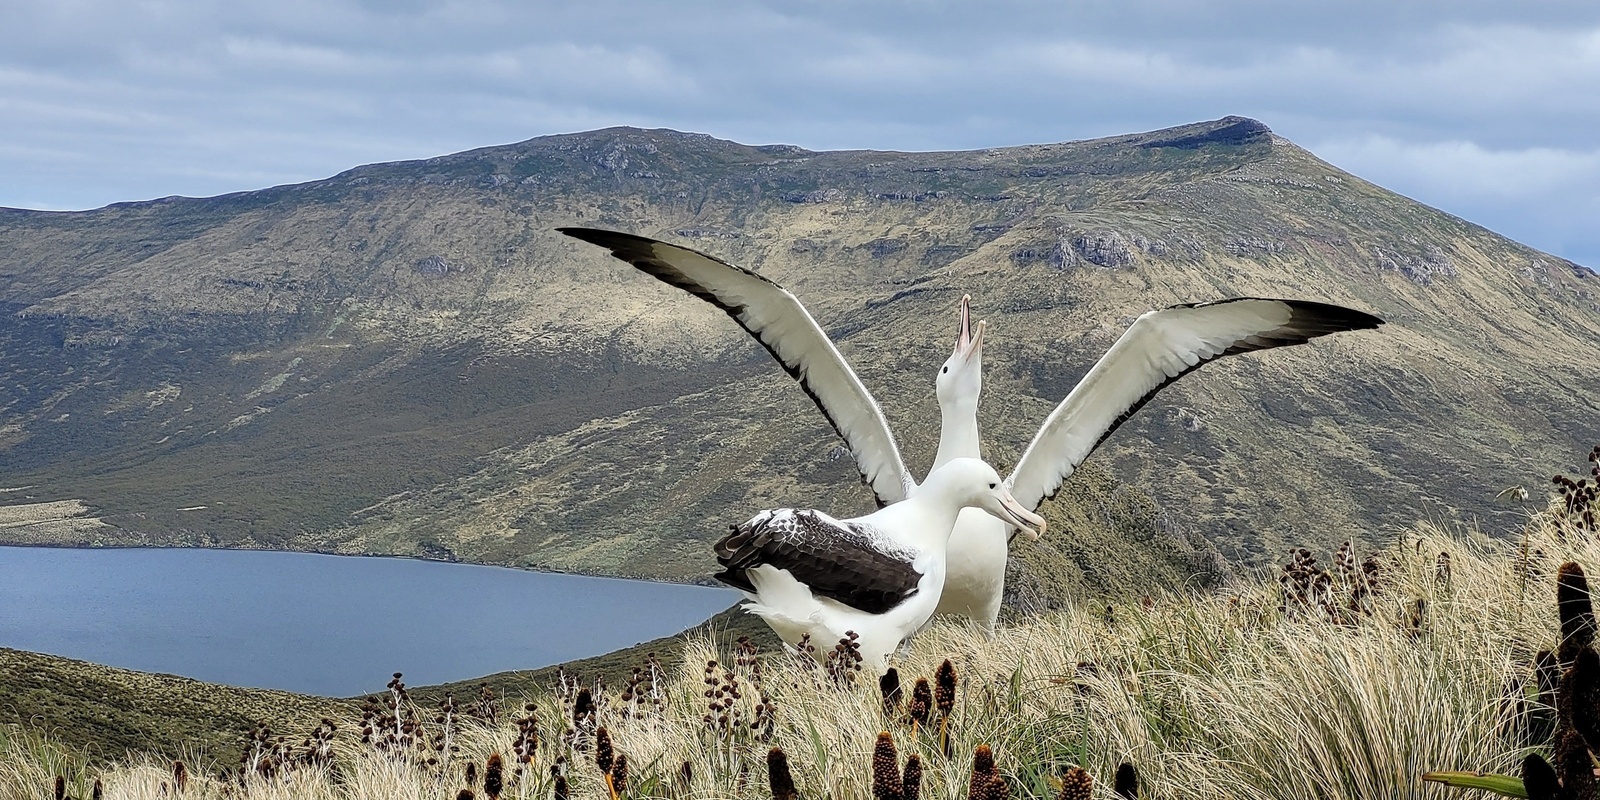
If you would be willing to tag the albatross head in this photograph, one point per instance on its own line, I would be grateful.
(960, 379)
(971, 483)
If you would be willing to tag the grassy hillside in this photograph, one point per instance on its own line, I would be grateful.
(107, 712)
(1243, 694)
(405, 358)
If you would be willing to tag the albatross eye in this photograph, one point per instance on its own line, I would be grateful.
(991, 486)
(946, 369)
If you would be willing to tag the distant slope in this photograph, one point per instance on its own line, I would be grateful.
(405, 358)
(109, 711)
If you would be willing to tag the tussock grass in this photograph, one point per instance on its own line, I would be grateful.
(1217, 696)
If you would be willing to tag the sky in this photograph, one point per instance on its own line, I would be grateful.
(1488, 110)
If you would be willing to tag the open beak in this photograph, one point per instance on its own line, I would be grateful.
(968, 344)
(1025, 521)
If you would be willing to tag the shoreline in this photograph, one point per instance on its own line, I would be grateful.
(703, 580)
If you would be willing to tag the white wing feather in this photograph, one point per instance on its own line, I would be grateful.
(1160, 347)
(778, 320)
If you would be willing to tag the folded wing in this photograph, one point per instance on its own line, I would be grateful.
(1159, 348)
(782, 325)
(842, 561)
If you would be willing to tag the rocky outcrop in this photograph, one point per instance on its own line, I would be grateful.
(1102, 248)
(1423, 267)
(1228, 131)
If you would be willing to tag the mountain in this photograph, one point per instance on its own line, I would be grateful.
(406, 358)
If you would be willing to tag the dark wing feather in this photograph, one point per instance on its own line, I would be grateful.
(842, 563)
(1159, 348)
(781, 324)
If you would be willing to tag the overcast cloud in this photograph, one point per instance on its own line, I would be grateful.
(1488, 110)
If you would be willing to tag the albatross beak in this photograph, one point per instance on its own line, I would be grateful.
(968, 344)
(964, 327)
(1025, 521)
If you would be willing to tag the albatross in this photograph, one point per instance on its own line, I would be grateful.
(1160, 347)
(878, 576)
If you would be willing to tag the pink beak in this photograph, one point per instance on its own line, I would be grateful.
(968, 344)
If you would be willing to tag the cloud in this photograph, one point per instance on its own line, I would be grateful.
(1467, 170)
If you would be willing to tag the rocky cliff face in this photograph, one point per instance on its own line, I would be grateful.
(405, 358)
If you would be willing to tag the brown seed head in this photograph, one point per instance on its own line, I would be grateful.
(603, 754)
(561, 792)
(61, 788)
(180, 775)
(1580, 697)
(778, 776)
(1076, 784)
(1126, 784)
(619, 774)
(944, 688)
(997, 789)
(465, 794)
(885, 769)
(921, 704)
(582, 707)
(1574, 765)
(983, 759)
(911, 779)
(889, 686)
(1576, 611)
(493, 777)
(98, 791)
(1539, 778)
(983, 769)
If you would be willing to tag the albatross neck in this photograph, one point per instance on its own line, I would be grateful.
(929, 516)
(958, 433)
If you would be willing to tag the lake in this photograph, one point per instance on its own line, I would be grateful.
(329, 625)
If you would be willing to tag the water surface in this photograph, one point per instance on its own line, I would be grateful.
(330, 625)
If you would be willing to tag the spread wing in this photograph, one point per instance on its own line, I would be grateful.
(1159, 348)
(845, 562)
(781, 324)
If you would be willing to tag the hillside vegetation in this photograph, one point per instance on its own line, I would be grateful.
(405, 358)
(107, 712)
(1345, 682)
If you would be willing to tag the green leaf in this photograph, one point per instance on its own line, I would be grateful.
(1499, 784)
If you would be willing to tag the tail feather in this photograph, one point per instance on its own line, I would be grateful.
(785, 603)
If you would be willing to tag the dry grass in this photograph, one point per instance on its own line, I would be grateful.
(1220, 696)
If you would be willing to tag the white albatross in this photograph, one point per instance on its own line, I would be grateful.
(1157, 349)
(878, 576)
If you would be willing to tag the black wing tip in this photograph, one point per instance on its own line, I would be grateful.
(736, 579)
(605, 238)
(1325, 317)
(1328, 315)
